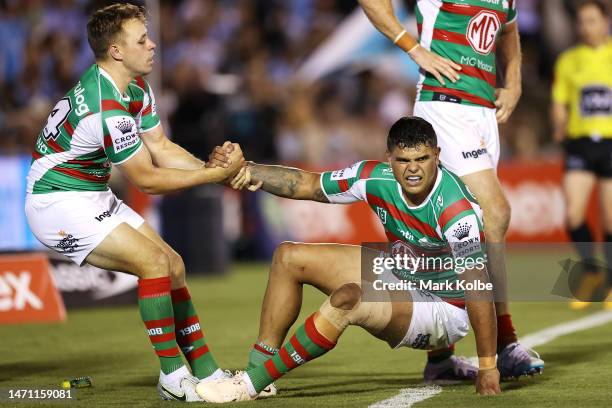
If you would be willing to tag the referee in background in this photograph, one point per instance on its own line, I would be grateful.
(582, 121)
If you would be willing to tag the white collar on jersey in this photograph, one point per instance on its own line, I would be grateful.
(424, 203)
(124, 98)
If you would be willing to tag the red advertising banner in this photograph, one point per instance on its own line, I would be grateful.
(27, 291)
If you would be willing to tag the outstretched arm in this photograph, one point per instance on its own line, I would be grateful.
(288, 182)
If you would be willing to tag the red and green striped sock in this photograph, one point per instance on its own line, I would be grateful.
(259, 354)
(306, 344)
(189, 335)
(155, 307)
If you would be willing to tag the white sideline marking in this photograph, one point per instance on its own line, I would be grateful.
(409, 396)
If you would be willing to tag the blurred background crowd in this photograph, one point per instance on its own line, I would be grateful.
(227, 71)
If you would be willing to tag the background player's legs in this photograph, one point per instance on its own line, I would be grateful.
(189, 334)
(577, 188)
(605, 190)
(496, 213)
(324, 266)
(127, 250)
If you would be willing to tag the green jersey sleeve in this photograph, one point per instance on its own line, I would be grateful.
(345, 186)
(121, 137)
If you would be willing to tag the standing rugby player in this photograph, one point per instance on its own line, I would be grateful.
(582, 120)
(456, 50)
(109, 118)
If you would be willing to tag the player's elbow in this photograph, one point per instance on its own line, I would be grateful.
(147, 182)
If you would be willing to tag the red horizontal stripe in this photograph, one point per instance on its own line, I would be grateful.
(180, 295)
(147, 110)
(343, 184)
(453, 210)
(154, 287)
(262, 350)
(78, 174)
(316, 337)
(111, 104)
(460, 303)
(287, 360)
(36, 155)
(402, 216)
(69, 128)
(368, 168)
(299, 348)
(135, 107)
(460, 94)
(469, 10)
(479, 73)
(271, 369)
(160, 338)
(52, 143)
(152, 324)
(198, 352)
(187, 322)
(171, 352)
(450, 36)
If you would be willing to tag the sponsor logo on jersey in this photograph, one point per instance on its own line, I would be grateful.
(123, 132)
(462, 231)
(476, 62)
(421, 341)
(79, 98)
(105, 214)
(382, 214)
(347, 173)
(440, 201)
(68, 244)
(474, 154)
(482, 31)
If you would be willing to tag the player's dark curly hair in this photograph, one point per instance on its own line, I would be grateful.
(105, 23)
(410, 132)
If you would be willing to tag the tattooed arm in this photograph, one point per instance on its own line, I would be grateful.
(287, 182)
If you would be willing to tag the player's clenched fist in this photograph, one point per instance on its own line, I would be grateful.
(487, 382)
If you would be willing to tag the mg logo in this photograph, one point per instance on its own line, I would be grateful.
(482, 30)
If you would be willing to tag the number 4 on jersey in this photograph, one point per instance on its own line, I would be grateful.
(56, 119)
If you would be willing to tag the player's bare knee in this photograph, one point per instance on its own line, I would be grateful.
(283, 260)
(346, 297)
(158, 266)
(177, 266)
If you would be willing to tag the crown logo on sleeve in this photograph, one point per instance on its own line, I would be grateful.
(462, 231)
(124, 126)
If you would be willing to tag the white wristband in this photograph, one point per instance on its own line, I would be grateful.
(400, 35)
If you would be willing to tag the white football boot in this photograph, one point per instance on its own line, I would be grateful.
(179, 385)
(227, 389)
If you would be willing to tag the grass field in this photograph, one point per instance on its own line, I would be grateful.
(110, 346)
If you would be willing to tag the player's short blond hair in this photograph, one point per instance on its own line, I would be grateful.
(106, 23)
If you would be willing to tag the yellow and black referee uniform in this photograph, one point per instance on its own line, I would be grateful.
(583, 82)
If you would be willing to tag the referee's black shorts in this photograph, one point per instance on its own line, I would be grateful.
(594, 156)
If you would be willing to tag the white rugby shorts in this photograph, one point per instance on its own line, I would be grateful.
(467, 135)
(74, 223)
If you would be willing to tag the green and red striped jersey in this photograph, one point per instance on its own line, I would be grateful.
(447, 225)
(88, 130)
(464, 31)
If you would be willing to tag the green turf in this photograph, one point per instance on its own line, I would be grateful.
(110, 345)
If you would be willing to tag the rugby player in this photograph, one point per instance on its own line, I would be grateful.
(109, 118)
(421, 205)
(456, 93)
(582, 120)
